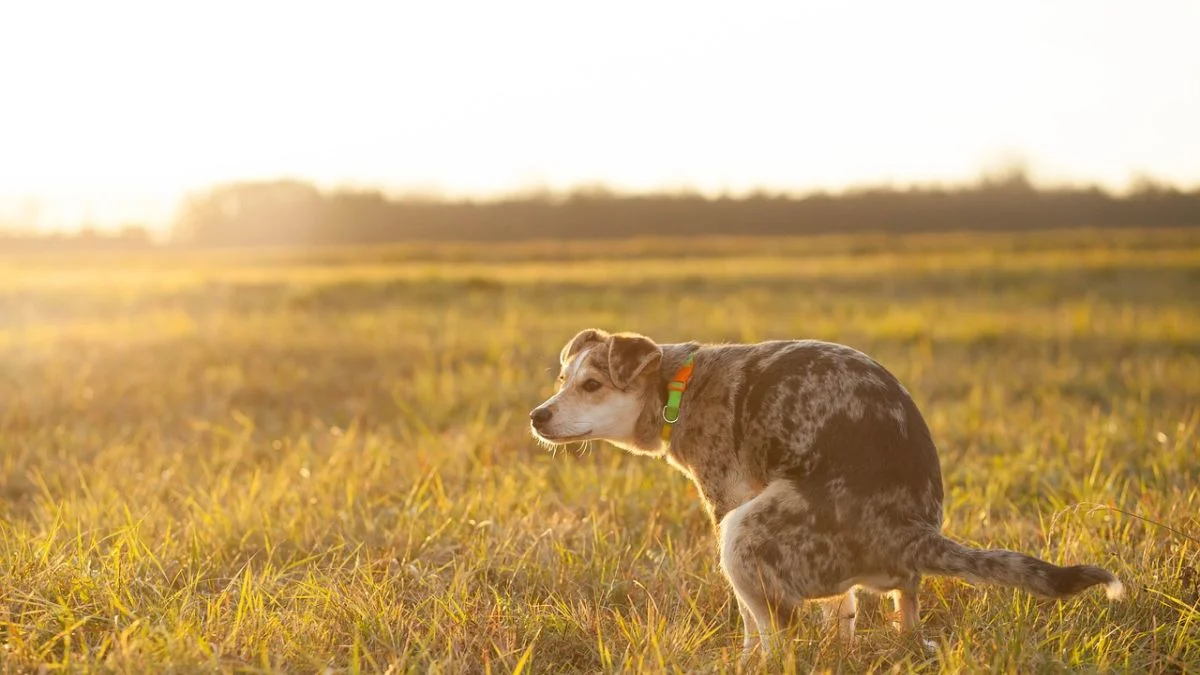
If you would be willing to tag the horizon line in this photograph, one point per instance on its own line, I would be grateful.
(1017, 173)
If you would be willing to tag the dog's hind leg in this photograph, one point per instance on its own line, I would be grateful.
(774, 560)
(908, 611)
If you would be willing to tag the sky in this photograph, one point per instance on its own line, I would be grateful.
(111, 111)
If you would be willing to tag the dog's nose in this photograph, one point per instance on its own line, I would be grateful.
(540, 415)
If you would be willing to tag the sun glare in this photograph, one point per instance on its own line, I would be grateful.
(114, 110)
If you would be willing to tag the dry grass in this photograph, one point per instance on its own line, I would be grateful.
(297, 461)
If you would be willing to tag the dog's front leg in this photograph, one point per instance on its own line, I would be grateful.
(758, 620)
(750, 634)
(840, 612)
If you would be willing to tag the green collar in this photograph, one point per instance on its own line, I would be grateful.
(675, 391)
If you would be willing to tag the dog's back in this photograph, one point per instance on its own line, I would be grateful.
(824, 416)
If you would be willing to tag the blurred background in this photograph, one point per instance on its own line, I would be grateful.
(231, 123)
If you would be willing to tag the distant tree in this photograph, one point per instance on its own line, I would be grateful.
(1147, 186)
(1009, 172)
(134, 235)
(250, 213)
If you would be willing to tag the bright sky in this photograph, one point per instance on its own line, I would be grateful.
(110, 111)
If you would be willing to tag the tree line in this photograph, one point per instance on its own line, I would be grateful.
(297, 213)
(129, 238)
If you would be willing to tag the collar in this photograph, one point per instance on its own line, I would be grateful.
(675, 391)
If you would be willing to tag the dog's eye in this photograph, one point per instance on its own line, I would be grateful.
(591, 385)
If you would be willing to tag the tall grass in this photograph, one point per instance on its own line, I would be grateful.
(293, 462)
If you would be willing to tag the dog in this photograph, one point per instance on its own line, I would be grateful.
(817, 470)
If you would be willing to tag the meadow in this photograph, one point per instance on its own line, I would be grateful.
(318, 461)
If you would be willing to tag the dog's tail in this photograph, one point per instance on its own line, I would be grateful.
(938, 555)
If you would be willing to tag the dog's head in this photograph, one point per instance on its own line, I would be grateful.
(606, 389)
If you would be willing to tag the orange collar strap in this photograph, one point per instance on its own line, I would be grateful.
(675, 391)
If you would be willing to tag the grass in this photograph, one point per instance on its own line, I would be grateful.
(297, 461)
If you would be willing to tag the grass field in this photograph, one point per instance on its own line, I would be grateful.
(296, 461)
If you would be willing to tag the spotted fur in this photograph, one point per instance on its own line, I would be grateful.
(814, 464)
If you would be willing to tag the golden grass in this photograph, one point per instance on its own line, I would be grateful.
(295, 461)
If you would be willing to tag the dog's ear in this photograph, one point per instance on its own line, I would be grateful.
(582, 339)
(629, 355)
